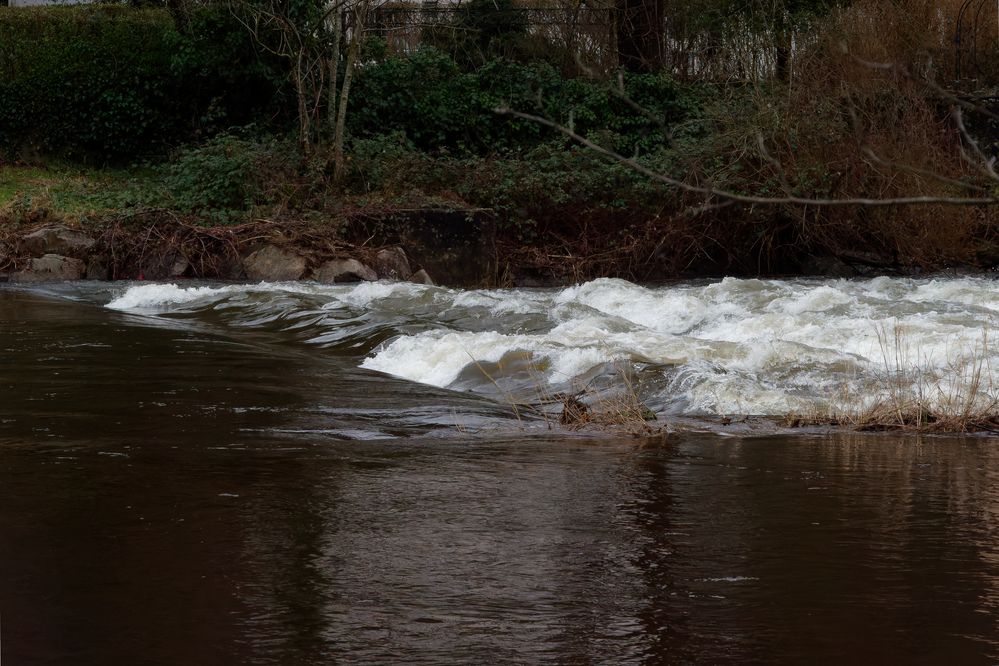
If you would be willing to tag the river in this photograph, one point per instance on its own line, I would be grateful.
(374, 473)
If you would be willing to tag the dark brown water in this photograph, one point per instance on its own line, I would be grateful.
(175, 491)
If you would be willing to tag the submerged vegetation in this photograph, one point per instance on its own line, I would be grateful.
(910, 392)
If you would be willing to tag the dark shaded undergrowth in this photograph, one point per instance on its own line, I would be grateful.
(424, 140)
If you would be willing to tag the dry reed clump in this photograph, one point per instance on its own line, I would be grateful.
(614, 410)
(614, 406)
(908, 393)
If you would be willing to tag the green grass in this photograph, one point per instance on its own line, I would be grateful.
(72, 194)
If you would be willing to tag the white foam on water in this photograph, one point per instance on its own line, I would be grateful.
(500, 302)
(437, 357)
(673, 311)
(365, 294)
(726, 347)
(734, 346)
(164, 296)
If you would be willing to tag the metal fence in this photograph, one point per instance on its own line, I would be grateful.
(585, 34)
(578, 33)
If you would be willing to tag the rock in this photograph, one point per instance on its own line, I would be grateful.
(97, 269)
(51, 268)
(392, 264)
(179, 265)
(531, 282)
(422, 277)
(343, 270)
(164, 263)
(457, 247)
(272, 264)
(230, 268)
(862, 257)
(827, 267)
(56, 240)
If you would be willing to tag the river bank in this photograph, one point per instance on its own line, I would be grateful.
(511, 168)
(68, 223)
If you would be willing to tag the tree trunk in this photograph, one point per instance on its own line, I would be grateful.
(357, 34)
(304, 121)
(334, 69)
(640, 34)
(782, 46)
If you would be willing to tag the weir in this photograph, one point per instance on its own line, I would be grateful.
(390, 472)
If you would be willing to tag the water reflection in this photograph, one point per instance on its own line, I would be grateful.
(231, 524)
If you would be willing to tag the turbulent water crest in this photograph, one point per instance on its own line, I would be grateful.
(734, 346)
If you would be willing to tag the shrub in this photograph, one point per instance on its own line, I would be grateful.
(109, 83)
(229, 175)
(438, 107)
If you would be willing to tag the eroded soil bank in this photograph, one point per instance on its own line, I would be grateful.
(454, 247)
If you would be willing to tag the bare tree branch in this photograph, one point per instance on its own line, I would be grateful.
(710, 191)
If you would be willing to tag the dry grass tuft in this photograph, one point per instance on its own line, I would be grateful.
(909, 394)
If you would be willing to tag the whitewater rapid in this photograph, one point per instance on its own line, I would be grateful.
(726, 347)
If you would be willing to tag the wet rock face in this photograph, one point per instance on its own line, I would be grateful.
(422, 277)
(343, 270)
(455, 247)
(49, 268)
(165, 264)
(392, 264)
(57, 240)
(272, 264)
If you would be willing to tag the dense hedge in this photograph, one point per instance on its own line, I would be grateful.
(104, 83)
(428, 98)
(107, 83)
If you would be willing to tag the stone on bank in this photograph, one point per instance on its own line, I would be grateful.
(273, 264)
(58, 240)
(50, 268)
(392, 264)
(343, 270)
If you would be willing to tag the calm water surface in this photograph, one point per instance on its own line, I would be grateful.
(197, 486)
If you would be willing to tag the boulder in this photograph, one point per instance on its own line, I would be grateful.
(164, 263)
(51, 268)
(827, 267)
(422, 277)
(457, 247)
(272, 264)
(230, 267)
(179, 266)
(392, 264)
(57, 240)
(343, 270)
